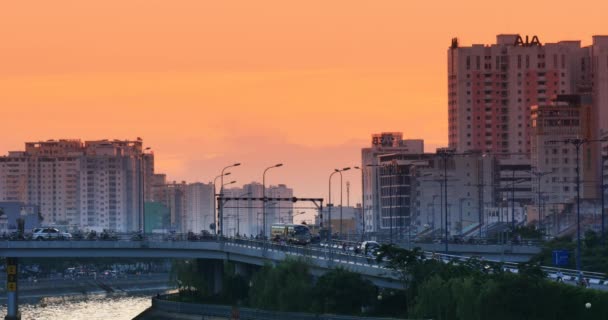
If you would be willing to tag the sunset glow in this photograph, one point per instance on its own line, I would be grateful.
(206, 83)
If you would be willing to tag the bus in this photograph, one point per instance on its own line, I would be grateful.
(291, 233)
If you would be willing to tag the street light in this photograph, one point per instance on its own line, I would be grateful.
(433, 213)
(362, 206)
(341, 206)
(603, 190)
(221, 220)
(221, 211)
(329, 204)
(215, 212)
(577, 143)
(444, 154)
(238, 217)
(539, 175)
(264, 198)
(143, 192)
(460, 210)
(376, 208)
(297, 214)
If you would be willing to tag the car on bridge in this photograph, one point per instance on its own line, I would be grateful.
(369, 248)
(50, 234)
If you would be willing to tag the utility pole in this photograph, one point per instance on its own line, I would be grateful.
(539, 175)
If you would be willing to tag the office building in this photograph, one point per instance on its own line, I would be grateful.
(567, 117)
(381, 144)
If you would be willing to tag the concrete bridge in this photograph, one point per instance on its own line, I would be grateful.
(507, 252)
(246, 253)
(242, 252)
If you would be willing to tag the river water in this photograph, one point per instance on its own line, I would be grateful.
(90, 308)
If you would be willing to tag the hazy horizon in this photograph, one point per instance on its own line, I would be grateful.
(206, 84)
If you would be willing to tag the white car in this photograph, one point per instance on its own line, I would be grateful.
(370, 248)
(50, 234)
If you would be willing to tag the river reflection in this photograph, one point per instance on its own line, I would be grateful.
(91, 308)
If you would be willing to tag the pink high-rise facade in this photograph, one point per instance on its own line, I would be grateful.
(492, 87)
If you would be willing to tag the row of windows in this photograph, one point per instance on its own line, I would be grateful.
(502, 61)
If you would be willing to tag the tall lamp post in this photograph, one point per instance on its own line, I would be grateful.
(238, 217)
(215, 213)
(329, 204)
(221, 218)
(603, 190)
(264, 198)
(445, 154)
(577, 143)
(142, 224)
(362, 206)
(460, 210)
(297, 214)
(221, 204)
(377, 196)
(539, 175)
(341, 185)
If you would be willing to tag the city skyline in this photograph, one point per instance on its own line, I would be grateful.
(207, 84)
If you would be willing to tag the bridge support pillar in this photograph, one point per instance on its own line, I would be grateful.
(218, 276)
(12, 273)
(242, 269)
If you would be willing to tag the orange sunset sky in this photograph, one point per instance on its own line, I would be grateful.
(208, 83)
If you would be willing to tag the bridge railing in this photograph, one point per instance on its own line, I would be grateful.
(333, 252)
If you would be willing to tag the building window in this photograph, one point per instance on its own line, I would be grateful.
(519, 62)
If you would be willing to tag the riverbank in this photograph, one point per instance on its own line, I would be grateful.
(46, 290)
(163, 307)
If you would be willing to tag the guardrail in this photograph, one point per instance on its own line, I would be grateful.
(335, 252)
(222, 311)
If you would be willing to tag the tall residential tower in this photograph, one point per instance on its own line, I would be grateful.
(492, 87)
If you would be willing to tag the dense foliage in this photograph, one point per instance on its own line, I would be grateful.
(342, 292)
(433, 289)
(477, 290)
(286, 287)
(594, 255)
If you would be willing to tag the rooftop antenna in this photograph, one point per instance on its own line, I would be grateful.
(348, 193)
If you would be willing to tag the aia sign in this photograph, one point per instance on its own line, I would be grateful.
(528, 43)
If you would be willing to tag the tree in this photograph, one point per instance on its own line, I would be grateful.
(342, 292)
(591, 239)
(286, 287)
(190, 278)
(234, 287)
(434, 300)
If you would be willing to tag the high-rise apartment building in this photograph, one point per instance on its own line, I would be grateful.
(173, 196)
(492, 87)
(91, 185)
(199, 206)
